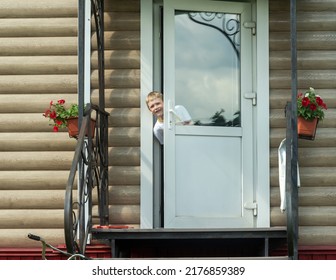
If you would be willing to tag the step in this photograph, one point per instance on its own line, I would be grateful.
(224, 243)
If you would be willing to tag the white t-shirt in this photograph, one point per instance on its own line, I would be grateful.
(158, 131)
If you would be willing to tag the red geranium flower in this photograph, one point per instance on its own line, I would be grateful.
(310, 105)
(319, 101)
(52, 115)
(58, 122)
(305, 101)
(313, 107)
(58, 113)
(46, 113)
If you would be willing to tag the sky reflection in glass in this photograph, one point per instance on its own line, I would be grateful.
(207, 66)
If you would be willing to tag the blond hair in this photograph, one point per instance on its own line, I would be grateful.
(153, 95)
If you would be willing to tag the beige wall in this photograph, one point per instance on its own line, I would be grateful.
(122, 98)
(38, 63)
(316, 42)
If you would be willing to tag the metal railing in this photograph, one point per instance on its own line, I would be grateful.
(292, 204)
(292, 145)
(89, 170)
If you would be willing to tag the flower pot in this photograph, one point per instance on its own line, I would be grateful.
(72, 125)
(307, 128)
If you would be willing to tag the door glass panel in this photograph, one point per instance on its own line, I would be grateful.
(207, 64)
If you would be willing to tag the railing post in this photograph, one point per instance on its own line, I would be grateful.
(292, 203)
(98, 12)
(293, 176)
(81, 59)
(84, 28)
(81, 86)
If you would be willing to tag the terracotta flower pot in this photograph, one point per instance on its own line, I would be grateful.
(307, 128)
(72, 125)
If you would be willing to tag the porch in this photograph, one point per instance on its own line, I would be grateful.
(32, 154)
(159, 242)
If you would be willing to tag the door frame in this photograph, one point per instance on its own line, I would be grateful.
(177, 198)
(150, 75)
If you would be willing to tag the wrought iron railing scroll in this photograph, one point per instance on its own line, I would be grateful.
(89, 171)
(89, 168)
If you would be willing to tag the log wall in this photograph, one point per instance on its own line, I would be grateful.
(122, 99)
(316, 41)
(38, 63)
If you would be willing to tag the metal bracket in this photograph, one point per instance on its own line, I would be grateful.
(252, 206)
(253, 96)
(252, 25)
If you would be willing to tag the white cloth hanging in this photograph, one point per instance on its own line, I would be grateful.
(282, 174)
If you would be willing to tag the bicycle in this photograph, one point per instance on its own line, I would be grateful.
(46, 245)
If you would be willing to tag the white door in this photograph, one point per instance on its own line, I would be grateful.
(208, 165)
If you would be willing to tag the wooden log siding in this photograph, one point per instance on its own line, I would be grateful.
(122, 98)
(38, 63)
(317, 159)
(38, 56)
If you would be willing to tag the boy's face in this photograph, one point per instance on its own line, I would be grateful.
(156, 107)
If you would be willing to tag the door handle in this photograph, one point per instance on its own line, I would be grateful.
(170, 115)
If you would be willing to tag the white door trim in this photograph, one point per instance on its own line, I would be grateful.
(262, 115)
(146, 124)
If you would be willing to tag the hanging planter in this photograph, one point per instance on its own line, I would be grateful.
(307, 128)
(310, 111)
(72, 125)
(62, 115)
(58, 113)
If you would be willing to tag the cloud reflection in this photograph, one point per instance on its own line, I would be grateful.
(207, 69)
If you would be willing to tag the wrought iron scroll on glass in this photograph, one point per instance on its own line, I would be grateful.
(227, 24)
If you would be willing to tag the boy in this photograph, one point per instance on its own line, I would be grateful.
(154, 103)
